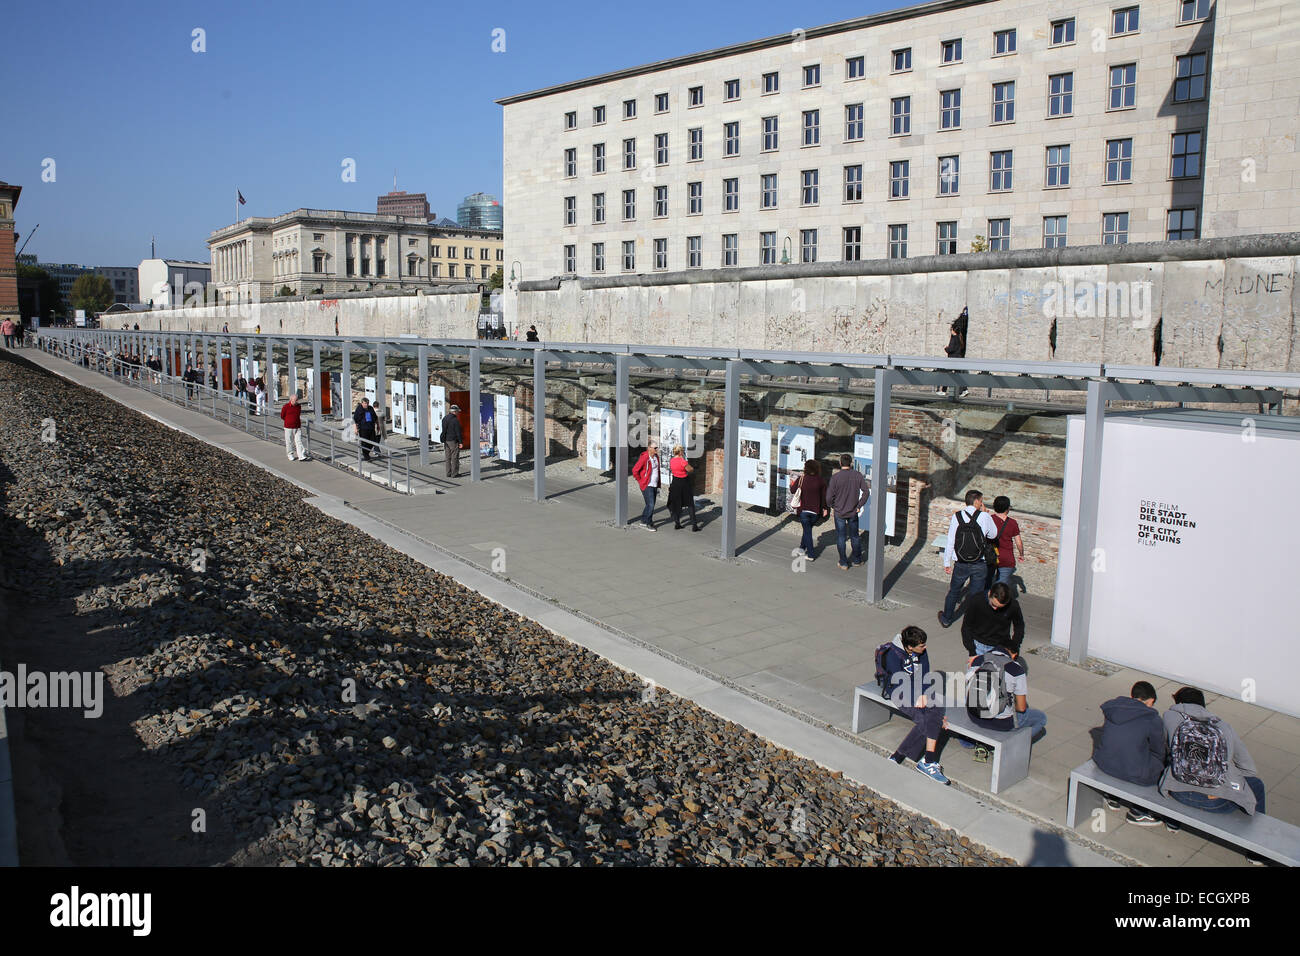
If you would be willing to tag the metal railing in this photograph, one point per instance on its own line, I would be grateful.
(238, 411)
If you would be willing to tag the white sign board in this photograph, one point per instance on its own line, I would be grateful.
(673, 425)
(796, 445)
(506, 427)
(598, 435)
(79, 317)
(1192, 574)
(754, 463)
(370, 389)
(437, 411)
(863, 450)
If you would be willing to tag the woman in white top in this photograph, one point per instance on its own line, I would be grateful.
(261, 398)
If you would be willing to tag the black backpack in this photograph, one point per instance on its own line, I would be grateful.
(968, 544)
(1198, 752)
(882, 674)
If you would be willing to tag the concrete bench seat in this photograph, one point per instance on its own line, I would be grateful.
(1010, 747)
(1261, 835)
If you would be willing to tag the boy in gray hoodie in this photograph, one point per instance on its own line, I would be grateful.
(1239, 787)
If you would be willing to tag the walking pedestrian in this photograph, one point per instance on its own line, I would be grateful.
(969, 533)
(847, 491)
(363, 416)
(7, 327)
(810, 491)
(532, 334)
(261, 396)
(1008, 540)
(681, 493)
(291, 414)
(646, 473)
(452, 439)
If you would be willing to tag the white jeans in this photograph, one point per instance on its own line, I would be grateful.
(292, 435)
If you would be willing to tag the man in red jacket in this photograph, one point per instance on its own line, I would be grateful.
(291, 413)
(646, 473)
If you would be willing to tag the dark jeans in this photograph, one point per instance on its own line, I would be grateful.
(847, 529)
(926, 724)
(1202, 802)
(807, 519)
(650, 495)
(365, 435)
(963, 571)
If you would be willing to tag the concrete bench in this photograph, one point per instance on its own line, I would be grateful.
(1010, 747)
(1261, 835)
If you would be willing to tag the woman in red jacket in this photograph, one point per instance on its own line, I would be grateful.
(812, 503)
(681, 495)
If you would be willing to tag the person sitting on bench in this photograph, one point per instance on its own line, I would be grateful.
(1131, 745)
(998, 693)
(905, 664)
(1209, 767)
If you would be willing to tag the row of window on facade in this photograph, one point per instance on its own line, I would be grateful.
(1180, 224)
(1185, 163)
(1124, 22)
(413, 264)
(1189, 85)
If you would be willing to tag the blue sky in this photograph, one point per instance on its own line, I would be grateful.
(150, 138)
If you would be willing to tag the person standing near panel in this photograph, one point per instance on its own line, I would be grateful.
(681, 493)
(452, 439)
(646, 473)
(291, 414)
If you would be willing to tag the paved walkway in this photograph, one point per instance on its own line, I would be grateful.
(800, 640)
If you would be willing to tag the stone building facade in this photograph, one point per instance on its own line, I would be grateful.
(923, 131)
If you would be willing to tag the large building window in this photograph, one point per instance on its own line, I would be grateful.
(629, 255)
(1058, 166)
(731, 139)
(853, 183)
(900, 116)
(1114, 228)
(731, 195)
(695, 97)
(1186, 155)
(597, 115)
(597, 257)
(695, 144)
(768, 185)
(898, 241)
(1182, 224)
(855, 67)
(661, 254)
(807, 245)
(1060, 94)
(1123, 86)
(570, 260)
(1124, 20)
(950, 109)
(1054, 232)
(570, 210)
(853, 122)
(730, 91)
(1119, 160)
(852, 243)
(950, 51)
(767, 248)
(812, 75)
(598, 158)
(694, 253)
(949, 175)
(1004, 42)
(946, 238)
(694, 199)
(1189, 78)
(570, 163)
(1190, 11)
(661, 149)
(1000, 171)
(1062, 31)
(730, 249)
(771, 83)
(571, 120)
(811, 187)
(661, 102)
(898, 178)
(629, 109)
(771, 133)
(999, 235)
(661, 202)
(1004, 102)
(629, 205)
(812, 127)
(629, 153)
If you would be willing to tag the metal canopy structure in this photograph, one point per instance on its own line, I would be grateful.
(1101, 384)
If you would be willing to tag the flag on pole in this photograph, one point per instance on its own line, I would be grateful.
(242, 200)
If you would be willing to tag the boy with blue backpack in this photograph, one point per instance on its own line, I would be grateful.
(901, 669)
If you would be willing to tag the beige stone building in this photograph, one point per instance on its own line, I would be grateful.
(336, 251)
(916, 132)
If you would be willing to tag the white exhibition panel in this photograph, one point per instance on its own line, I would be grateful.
(796, 445)
(863, 450)
(1192, 573)
(672, 431)
(505, 420)
(437, 411)
(370, 388)
(598, 435)
(754, 463)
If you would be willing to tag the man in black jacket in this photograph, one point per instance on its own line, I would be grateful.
(992, 620)
(452, 439)
(1132, 744)
(365, 419)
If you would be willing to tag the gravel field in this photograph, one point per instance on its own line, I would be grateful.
(328, 701)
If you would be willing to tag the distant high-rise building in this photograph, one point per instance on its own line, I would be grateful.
(481, 211)
(410, 205)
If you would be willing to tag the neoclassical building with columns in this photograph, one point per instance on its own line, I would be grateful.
(330, 251)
